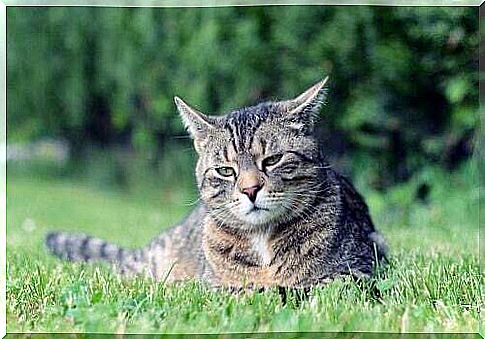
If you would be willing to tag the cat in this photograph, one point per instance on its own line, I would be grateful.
(273, 212)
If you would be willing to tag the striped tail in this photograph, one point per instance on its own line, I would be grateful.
(80, 247)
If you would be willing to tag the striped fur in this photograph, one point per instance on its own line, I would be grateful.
(305, 225)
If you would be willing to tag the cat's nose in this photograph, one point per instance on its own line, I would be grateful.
(252, 192)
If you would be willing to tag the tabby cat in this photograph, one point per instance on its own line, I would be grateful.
(273, 212)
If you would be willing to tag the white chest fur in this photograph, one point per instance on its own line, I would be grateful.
(260, 246)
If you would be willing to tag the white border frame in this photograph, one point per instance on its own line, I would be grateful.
(227, 3)
(3, 170)
(147, 3)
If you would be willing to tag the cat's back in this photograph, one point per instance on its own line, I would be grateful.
(360, 239)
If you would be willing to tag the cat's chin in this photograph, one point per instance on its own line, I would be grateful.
(259, 217)
(257, 214)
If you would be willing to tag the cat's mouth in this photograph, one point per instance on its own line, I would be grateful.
(257, 209)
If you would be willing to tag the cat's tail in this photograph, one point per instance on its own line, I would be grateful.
(81, 247)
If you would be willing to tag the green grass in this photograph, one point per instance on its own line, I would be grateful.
(432, 283)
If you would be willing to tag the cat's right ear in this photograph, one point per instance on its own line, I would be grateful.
(197, 123)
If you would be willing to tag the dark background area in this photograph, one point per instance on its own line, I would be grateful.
(100, 81)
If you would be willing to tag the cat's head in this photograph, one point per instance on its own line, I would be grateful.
(258, 165)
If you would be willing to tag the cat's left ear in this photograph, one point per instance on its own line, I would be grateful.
(197, 123)
(305, 108)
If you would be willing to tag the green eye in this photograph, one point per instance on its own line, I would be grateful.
(225, 171)
(272, 160)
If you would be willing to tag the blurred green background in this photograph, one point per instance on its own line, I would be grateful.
(96, 84)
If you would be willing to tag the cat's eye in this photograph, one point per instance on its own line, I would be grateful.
(272, 160)
(225, 171)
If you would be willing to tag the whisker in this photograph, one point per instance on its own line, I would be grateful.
(191, 203)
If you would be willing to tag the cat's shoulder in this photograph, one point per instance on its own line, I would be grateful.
(350, 195)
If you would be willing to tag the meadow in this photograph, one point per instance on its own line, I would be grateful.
(432, 283)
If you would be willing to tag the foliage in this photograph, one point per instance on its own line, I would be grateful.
(403, 90)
